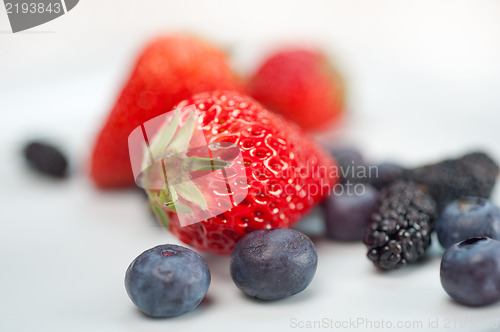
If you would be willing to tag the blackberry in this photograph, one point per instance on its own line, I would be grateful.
(474, 174)
(400, 229)
(46, 159)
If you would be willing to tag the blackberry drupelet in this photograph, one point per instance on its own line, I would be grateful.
(400, 229)
(473, 174)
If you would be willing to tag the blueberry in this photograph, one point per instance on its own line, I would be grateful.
(352, 168)
(46, 159)
(468, 217)
(470, 271)
(385, 174)
(271, 264)
(348, 214)
(167, 280)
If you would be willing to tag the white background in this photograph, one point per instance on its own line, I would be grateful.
(424, 83)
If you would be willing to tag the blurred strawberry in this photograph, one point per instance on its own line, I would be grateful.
(286, 172)
(302, 85)
(169, 69)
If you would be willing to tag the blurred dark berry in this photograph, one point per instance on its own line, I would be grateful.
(347, 214)
(400, 230)
(46, 159)
(386, 173)
(352, 168)
(471, 175)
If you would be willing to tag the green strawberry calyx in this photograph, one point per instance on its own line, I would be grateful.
(171, 171)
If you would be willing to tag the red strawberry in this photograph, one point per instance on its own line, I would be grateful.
(170, 69)
(286, 171)
(300, 84)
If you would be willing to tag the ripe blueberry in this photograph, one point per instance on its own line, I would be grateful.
(271, 264)
(470, 271)
(167, 280)
(468, 217)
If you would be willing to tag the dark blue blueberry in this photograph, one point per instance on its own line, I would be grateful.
(46, 159)
(386, 173)
(348, 214)
(352, 168)
(271, 264)
(167, 280)
(468, 217)
(470, 271)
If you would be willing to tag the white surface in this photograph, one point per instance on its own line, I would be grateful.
(424, 80)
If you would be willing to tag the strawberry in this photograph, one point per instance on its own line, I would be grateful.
(285, 173)
(302, 85)
(170, 69)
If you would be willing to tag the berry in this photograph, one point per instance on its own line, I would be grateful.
(286, 172)
(302, 85)
(348, 213)
(352, 168)
(385, 174)
(471, 175)
(400, 230)
(468, 217)
(470, 271)
(167, 280)
(169, 69)
(46, 159)
(273, 264)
